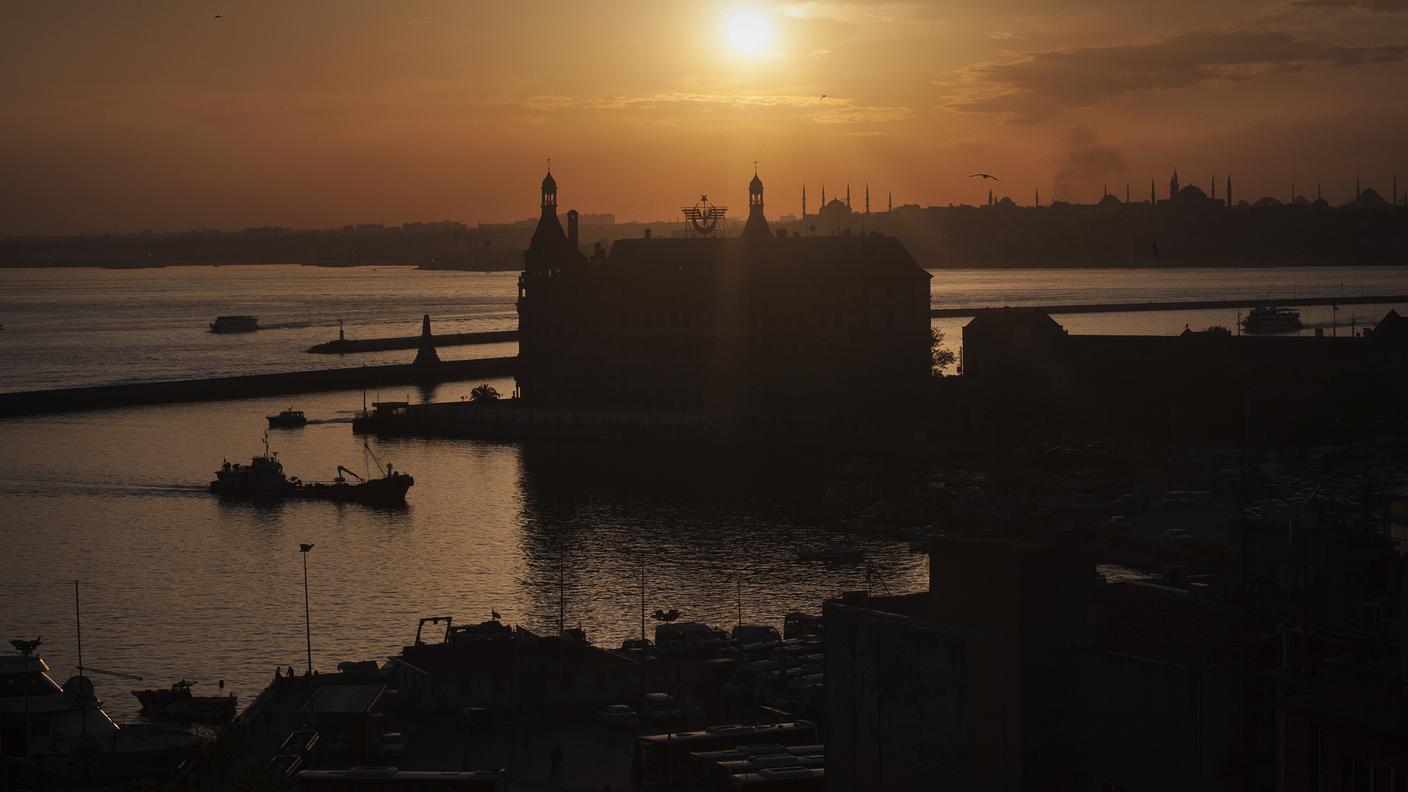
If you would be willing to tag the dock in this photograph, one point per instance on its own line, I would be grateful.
(1181, 305)
(248, 386)
(351, 346)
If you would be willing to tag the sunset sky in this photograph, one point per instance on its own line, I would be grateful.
(131, 115)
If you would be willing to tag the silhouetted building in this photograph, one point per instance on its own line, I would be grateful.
(763, 325)
(1196, 387)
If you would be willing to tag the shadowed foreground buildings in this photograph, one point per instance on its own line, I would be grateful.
(766, 325)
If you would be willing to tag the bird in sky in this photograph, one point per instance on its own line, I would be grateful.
(823, 96)
(985, 176)
(217, 16)
(494, 614)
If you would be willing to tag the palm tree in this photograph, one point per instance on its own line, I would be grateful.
(483, 393)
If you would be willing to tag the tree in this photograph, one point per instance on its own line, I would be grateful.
(941, 357)
(484, 393)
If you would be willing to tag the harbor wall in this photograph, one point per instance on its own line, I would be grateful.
(247, 386)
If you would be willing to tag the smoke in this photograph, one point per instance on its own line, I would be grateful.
(1083, 165)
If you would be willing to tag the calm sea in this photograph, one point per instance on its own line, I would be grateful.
(177, 583)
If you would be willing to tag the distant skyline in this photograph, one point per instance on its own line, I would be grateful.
(314, 115)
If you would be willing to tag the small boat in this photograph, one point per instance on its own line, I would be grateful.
(234, 324)
(264, 479)
(178, 703)
(836, 553)
(288, 419)
(1268, 319)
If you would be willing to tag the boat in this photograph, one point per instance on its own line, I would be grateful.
(837, 553)
(234, 324)
(177, 702)
(71, 740)
(1267, 319)
(264, 479)
(288, 419)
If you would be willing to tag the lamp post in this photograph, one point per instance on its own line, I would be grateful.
(307, 622)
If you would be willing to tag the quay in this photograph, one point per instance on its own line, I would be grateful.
(248, 386)
(1181, 305)
(345, 346)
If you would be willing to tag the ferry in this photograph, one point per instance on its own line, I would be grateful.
(1268, 319)
(178, 703)
(70, 739)
(288, 419)
(264, 479)
(234, 324)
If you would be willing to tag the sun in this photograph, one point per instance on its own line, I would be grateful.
(748, 32)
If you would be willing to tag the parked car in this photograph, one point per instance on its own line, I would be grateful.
(662, 707)
(617, 715)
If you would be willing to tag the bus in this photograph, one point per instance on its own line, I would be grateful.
(662, 760)
(389, 779)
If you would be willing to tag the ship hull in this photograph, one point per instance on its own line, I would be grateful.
(377, 492)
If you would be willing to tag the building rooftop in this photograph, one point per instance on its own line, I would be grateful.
(1172, 626)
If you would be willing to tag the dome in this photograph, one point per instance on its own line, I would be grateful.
(1192, 192)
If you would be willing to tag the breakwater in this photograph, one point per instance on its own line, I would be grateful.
(348, 346)
(1183, 305)
(247, 386)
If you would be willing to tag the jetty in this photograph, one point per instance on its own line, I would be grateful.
(352, 346)
(249, 386)
(1182, 305)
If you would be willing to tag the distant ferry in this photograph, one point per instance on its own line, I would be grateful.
(234, 324)
(1266, 319)
(264, 479)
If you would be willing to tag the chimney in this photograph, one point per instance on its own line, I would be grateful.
(572, 228)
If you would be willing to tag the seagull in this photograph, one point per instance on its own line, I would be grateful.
(823, 96)
(217, 16)
(985, 176)
(494, 613)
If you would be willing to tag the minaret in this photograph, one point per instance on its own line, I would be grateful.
(804, 203)
(1229, 189)
(867, 197)
(1293, 191)
(1104, 191)
(1152, 200)
(848, 195)
(1173, 184)
(1126, 192)
(757, 225)
(1214, 186)
(823, 196)
(889, 202)
(1036, 201)
(1395, 190)
(1317, 192)
(989, 197)
(1356, 188)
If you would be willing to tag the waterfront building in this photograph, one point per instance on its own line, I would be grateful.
(762, 325)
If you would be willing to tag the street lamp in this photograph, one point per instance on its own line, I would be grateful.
(307, 623)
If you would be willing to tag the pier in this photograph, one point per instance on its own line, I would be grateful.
(1181, 305)
(248, 386)
(350, 346)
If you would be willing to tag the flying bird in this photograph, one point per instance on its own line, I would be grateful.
(494, 614)
(823, 96)
(985, 176)
(217, 16)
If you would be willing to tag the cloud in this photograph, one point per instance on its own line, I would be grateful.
(1084, 161)
(1386, 6)
(1042, 85)
(814, 108)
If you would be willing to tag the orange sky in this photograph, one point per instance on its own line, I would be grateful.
(152, 114)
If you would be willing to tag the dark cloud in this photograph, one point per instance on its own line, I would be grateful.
(1085, 162)
(1045, 84)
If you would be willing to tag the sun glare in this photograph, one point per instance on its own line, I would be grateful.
(748, 32)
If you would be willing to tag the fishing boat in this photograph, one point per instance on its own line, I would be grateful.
(288, 419)
(264, 479)
(1268, 319)
(234, 324)
(70, 739)
(179, 703)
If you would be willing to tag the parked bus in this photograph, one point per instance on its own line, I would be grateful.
(662, 760)
(389, 779)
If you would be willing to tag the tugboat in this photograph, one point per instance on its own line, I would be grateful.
(264, 479)
(178, 703)
(234, 324)
(1268, 319)
(288, 419)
